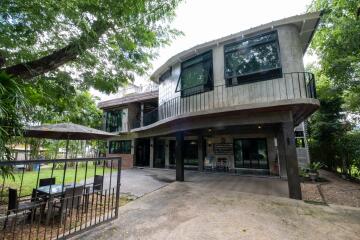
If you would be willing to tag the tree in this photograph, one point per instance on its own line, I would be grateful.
(336, 43)
(97, 43)
(326, 126)
(12, 105)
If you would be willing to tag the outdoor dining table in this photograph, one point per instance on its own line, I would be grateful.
(50, 192)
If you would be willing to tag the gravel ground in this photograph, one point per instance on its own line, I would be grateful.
(335, 191)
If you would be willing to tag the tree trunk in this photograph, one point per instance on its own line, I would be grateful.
(59, 57)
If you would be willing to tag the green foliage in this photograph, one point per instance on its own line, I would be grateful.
(326, 126)
(350, 152)
(315, 166)
(109, 41)
(13, 110)
(337, 40)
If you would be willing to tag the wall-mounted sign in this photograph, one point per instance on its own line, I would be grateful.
(223, 149)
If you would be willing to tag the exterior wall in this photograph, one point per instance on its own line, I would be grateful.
(127, 160)
(133, 114)
(288, 87)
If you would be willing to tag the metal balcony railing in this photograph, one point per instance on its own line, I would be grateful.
(56, 199)
(291, 86)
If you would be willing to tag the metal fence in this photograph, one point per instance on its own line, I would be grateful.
(291, 86)
(56, 199)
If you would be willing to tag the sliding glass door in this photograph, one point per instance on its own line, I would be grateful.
(251, 153)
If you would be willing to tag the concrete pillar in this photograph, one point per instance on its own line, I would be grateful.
(179, 156)
(142, 115)
(201, 153)
(167, 153)
(152, 152)
(281, 153)
(289, 152)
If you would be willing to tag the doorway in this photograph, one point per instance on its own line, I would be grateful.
(251, 153)
(142, 152)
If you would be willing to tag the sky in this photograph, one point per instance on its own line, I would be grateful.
(206, 20)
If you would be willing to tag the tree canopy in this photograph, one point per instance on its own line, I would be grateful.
(336, 43)
(99, 44)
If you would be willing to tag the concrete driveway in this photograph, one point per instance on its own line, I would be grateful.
(215, 206)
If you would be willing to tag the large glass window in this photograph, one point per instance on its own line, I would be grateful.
(251, 153)
(191, 153)
(196, 75)
(113, 121)
(252, 59)
(123, 147)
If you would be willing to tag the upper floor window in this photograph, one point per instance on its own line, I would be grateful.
(253, 59)
(113, 121)
(165, 75)
(122, 147)
(196, 75)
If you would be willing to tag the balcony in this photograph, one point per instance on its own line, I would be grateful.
(293, 88)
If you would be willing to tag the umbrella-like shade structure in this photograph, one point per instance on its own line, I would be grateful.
(67, 131)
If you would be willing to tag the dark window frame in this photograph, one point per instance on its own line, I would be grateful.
(121, 148)
(257, 76)
(206, 87)
(109, 124)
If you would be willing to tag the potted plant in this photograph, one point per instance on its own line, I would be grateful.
(314, 170)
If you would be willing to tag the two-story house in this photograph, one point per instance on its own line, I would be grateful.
(235, 104)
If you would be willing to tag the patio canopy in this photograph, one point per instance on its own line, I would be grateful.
(69, 131)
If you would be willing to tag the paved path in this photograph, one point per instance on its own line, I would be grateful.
(204, 208)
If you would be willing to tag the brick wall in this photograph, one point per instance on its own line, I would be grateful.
(127, 160)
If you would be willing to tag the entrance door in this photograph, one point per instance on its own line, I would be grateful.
(251, 153)
(142, 152)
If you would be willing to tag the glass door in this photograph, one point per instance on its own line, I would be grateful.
(251, 153)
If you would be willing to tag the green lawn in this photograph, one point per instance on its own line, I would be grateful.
(30, 177)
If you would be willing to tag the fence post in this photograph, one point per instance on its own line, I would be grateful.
(118, 189)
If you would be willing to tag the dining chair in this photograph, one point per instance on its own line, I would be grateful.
(46, 181)
(71, 200)
(15, 205)
(97, 189)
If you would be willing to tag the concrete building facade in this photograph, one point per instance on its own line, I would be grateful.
(236, 104)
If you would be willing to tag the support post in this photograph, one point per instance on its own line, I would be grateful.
(167, 153)
(142, 115)
(292, 169)
(201, 152)
(179, 156)
(152, 152)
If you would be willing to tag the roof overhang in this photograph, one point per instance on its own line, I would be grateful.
(306, 23)
(123, 101)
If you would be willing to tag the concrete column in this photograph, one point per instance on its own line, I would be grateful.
(201, 153)
(179, 156)
(151, 152)
(167, 153)
(281, 153)
(142, 115)
(292, 169)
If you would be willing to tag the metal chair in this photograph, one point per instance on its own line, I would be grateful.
(46, 181)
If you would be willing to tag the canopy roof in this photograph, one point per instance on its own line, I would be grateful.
(66, 131)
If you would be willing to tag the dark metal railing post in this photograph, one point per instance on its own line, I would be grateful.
(118, 189)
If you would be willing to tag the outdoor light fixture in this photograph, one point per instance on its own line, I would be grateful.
(259, 127)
